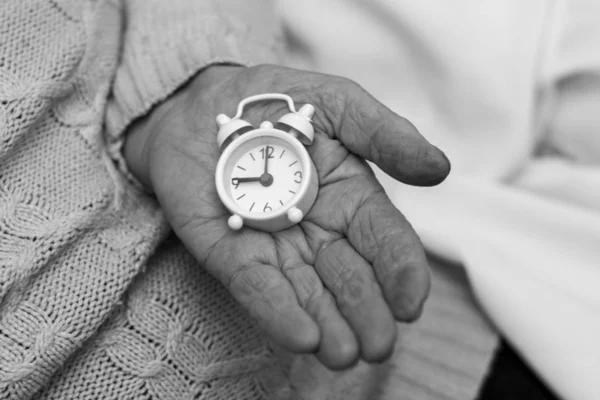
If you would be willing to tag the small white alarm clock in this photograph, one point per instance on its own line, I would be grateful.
(265, 177)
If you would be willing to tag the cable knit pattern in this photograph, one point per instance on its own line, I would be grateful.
(96, 301)
(189, 343)
(74, 232)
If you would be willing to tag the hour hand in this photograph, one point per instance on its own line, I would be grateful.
(242, 180)
(237, 181)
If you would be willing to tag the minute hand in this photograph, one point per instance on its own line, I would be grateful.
(266, 160)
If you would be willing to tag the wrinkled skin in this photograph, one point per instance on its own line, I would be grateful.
(336, 283)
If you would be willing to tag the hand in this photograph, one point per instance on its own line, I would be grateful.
(335, 283)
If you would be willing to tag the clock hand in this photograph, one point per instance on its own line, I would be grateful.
(235, 181)
(266, 160)
(264, 179)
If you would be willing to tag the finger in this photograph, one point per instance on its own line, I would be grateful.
(338, 347)
(352, 282)
(347, 112)
(374, 132)
(259, 287)
(231, 257)
(271, 300)
(383, 236)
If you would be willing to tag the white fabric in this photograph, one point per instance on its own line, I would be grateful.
(510, 90)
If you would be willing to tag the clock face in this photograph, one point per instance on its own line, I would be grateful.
(263, 175)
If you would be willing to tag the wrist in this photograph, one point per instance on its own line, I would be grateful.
(170, 114)
(210, 78)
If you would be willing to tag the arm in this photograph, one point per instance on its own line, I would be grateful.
(166, 43)
(72, 235)
(335, 285)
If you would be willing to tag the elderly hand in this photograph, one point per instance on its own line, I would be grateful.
(335, 283)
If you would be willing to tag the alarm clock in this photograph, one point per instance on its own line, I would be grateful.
(265, 177)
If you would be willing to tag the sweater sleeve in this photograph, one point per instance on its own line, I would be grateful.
(73, 236)
(167, 42)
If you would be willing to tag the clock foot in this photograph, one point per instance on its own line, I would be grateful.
(235, 222)
(295, 215)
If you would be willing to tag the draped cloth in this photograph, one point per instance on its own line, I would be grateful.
(510, 90)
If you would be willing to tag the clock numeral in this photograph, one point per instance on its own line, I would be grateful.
(299, 175)
(235, 182)
(267, 208)
(270, 151)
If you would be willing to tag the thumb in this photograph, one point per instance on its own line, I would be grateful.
(374, 132)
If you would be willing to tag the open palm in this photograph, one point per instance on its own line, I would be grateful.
(335, 283)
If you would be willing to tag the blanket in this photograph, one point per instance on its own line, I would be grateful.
(510, 90)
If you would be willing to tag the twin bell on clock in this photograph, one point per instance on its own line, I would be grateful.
(265, 177)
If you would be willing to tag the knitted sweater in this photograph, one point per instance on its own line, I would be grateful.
(97, 300)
